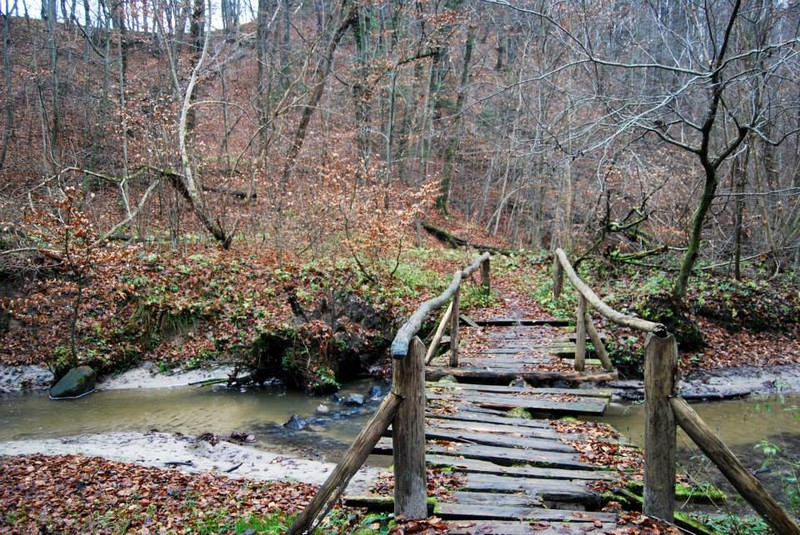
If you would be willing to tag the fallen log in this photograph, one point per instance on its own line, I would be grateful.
(455, 242)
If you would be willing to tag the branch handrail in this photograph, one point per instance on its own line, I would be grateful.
(403, 409)
(606, 311)
(414, 323)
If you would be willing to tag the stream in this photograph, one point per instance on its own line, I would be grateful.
(193, 411)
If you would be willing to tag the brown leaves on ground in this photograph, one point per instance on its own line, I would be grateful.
(427, 526)
(734, 349)
(75, 494)
(638, 524)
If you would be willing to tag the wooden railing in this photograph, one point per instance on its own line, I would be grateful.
(404, 409)
(663, 408)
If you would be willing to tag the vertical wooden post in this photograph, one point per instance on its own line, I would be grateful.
(660, 369)
(580, 334)
(485, 282)
(408, 434)
(454, 320)
(558, 277)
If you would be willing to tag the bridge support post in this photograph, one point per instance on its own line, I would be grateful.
(454, 320)
(660, 371)
(580, 334)
(485, 281)
(408, 434)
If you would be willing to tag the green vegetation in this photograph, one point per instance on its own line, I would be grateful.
(736, 524)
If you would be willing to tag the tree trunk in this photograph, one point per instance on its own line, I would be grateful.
(49, 9)
(740, 181)
(7, 72)
(362, 98)
(695, 237)
(323, 70)
(452, 145)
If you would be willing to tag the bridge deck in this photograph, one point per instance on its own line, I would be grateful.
(515, 474)
(503, 351)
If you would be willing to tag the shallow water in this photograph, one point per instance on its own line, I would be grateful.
(192, 411)
(737, 422)
(195, 410)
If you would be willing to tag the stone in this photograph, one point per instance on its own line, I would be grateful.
(354, 400)
(323, 409)
(295, 422)
(375, 393)
(78, 382)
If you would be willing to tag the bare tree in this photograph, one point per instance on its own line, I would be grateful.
(186, 182)
(694, 77)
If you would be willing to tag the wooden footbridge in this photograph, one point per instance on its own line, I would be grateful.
(486, 413)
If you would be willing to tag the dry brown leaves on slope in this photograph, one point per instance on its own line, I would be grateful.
(75, 494)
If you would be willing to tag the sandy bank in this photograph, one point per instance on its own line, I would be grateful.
(191, 455)
(148, 376)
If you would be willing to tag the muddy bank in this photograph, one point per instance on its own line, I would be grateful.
(724, 383)
(189, 454)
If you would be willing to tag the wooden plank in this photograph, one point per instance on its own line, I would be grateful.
(507, 456)
(486, 467)
(559, 490)
(484, 427)
(448, 511)
(494, 439)
(522, 333)
(584, 406)
(522, 362)
(527, 362)
(530, 375)
(583, 392)
(520, 349)
(522, 527)
(511, 322)
(493, 498)
(492, 417)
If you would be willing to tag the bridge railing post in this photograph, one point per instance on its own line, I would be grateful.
(408, 434)
(660, 372)
(558, 277)
(485, 277)
(580, 334)
(454, 320)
